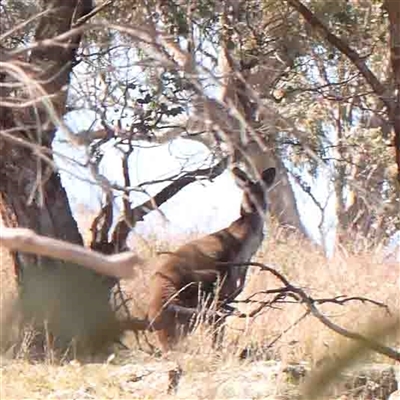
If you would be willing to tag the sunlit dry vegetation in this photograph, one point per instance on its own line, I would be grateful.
(308, 90)
(366, 274)
(274, 336)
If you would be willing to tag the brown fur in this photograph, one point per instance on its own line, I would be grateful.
(198, 265)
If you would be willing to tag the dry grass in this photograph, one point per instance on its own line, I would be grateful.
(134, 374)
(365, 274)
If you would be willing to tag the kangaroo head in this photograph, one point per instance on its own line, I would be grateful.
(254, 193)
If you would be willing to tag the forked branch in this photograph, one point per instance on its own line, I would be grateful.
(300, 296)
(122, 266)
(136, 214)
(392, 103)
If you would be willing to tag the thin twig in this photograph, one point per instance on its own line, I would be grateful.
(310, 303)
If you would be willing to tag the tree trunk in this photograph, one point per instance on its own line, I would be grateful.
(70, 302)
(393, 9)
(283, 202)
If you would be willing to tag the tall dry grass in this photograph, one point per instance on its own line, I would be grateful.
(364, 274)
(207, 373)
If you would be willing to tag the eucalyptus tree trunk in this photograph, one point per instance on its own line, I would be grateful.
(283, 204)
(71, 301)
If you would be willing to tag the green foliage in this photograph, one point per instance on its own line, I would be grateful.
(315, 108)
(325, 108)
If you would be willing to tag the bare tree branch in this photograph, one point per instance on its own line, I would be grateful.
(25, 240)
(321, 377)
(93, 12)
(393, 9)
(136, 214)
(391, 103)
(342, 46)
(289, 290)
(302, 297)
(101, 226)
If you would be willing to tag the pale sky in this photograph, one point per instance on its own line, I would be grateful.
(200, 207)
(203, 206)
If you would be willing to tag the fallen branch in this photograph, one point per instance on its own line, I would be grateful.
(25, 240)
(367, 342)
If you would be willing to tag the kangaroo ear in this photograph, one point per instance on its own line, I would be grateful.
(268, 176)
(240, 177)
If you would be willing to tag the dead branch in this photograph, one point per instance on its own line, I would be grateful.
(101, 226)
(310, 303)
(341, 300)
(288, 290)
(136, 214)
(117, 265)
(92, 13)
